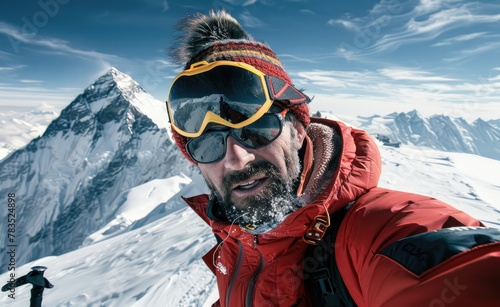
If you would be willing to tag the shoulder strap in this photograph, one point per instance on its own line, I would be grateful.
(322, 277)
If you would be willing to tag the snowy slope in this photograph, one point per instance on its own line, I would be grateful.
(158, 264)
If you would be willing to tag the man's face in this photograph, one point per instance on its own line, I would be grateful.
(255, 186)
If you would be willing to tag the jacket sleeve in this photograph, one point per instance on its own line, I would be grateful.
(402, 249)
(457, 266)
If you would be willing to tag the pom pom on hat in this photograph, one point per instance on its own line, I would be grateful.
(219, 36)
(200, 32)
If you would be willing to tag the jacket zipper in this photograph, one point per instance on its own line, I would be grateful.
(251, 284)
(235, 272)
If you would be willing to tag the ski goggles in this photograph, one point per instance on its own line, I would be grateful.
(232, 94)
(211, 146)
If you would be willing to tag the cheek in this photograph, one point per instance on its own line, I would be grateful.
(281, 148)
(210, 174)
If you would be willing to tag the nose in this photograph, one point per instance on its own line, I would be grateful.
(237, 155)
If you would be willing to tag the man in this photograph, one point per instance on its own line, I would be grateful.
(279, 179)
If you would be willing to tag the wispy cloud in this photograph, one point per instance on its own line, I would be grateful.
(240, 2)
(296, 58)
(431, 6)
(4, 54)
(462, 54)
(11, 68)
(30, 81)
(391, 79)
(459, 38)
(347, 24)
(19, 96)
(400, 74)
(165, 6)
(387, 26)
(17, 38)
(400, 89)
(338, 79)
(421, 28)
(305, 11)
(250, 21)
(447, 19)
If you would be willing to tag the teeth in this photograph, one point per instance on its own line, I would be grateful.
(248, 185)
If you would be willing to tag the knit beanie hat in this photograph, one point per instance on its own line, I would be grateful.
(219, 36)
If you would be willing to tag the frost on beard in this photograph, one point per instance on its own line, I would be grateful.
(267, 216)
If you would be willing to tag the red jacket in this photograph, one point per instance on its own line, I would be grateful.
(267, 269)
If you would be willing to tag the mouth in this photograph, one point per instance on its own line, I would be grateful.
(250, 186)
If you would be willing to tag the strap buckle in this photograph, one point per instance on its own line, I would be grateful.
(323, 281)
(317, 230)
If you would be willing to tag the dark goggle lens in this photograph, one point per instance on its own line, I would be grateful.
(211, 146)
(233, 93)
(207, 148)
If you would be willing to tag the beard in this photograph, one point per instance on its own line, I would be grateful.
(269, 207)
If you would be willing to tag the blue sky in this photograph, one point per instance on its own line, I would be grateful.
(354, 57)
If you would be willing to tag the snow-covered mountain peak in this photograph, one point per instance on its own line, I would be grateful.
(414, 113)
(115, 72)
(108, 140)
(111, 84)
(122, 80)
(115, 82)
(113, 98)
(113, 75)
(115, 78)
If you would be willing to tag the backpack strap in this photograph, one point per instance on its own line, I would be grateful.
(323, 280)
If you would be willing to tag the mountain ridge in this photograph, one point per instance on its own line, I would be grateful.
(439, 131)
(101, 144)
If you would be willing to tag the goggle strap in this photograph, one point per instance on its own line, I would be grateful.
(281, 90)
